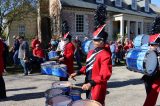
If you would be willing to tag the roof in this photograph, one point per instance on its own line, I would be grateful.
(155, 8)
(89, 5)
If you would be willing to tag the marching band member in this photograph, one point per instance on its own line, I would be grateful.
(2, 83)
(152, 83)
(98, 68)
(67, 54)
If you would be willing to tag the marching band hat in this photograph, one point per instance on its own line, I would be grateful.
(154, 39)
(67, 36)
(100, 34)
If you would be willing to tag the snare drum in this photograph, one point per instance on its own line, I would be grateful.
(53, 92)
(63, 85)
(140, 40)
(143, 61)
(85, 102)
(75, 95)
(60, 70)
(52, 55)
(60, 100)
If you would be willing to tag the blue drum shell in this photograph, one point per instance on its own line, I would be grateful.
(142, 61)
(52, 54)
(75, 95)
(46, 70)
(59, 71)
(139, 40)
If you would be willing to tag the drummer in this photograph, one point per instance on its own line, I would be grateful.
(98, 68)
(67, 55)
(152, 83)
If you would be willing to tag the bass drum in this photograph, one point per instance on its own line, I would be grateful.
(140, 40)
(143, 61)
(87, 46)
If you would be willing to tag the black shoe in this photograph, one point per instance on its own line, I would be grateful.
(2, 98)
(30, 72)
(25, 74)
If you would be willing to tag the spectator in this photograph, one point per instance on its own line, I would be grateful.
(15, 49)
(24, 54)
(113, 51)
(38, 53)
(119, 52)
(34, 42)
(77, 53)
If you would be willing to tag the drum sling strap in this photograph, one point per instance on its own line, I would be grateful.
(89, 66)
(91, 59)
(64, 46)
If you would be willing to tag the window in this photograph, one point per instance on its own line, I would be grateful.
(21, 30)
(134, 4)
(146, 5)
(100, 1)
(118, 3)
(79, 23)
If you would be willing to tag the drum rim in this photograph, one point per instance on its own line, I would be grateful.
(85, 100)
(63, 83)
(144, 63)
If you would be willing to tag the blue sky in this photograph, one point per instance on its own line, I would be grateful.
(157, 2)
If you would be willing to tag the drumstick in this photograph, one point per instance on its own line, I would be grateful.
(74, 86)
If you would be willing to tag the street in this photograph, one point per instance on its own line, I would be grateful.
(125, 89)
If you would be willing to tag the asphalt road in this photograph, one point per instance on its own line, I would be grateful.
(125, 89)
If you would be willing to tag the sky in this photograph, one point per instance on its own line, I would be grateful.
(157, 2)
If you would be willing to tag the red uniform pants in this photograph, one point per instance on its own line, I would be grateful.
(153, 95)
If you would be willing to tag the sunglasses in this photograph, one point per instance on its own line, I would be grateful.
(97, 40)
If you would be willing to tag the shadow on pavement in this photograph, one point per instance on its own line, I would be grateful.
(117, 84)
(18, 89)
(25, 96)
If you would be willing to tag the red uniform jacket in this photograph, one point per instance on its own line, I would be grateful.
(1, 58)
(69, 56)
(38, 52)
(101, 72)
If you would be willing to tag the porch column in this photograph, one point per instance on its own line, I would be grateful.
(128, 29)
(136, 28)
(142, 27)
(121, 27)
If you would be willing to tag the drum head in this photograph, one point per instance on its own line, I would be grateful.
(61, 84)
(151, 62)
(53, 92)
(90, 46)
(85, 103)
(145, 39)
(60, 100)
